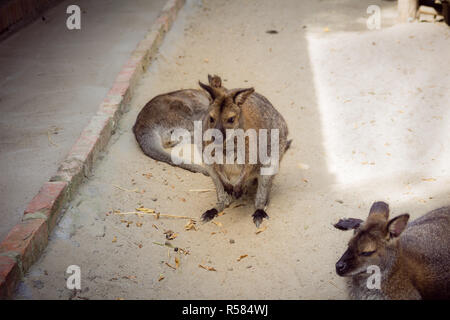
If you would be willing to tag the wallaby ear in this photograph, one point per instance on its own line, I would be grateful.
(396, 225)
(209, 89)
(214, 81)
(379, 210)
(348, 224)
(240, 95)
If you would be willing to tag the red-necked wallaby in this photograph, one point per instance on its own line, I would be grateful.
(245, 111)
(167, 112)
(413, 258)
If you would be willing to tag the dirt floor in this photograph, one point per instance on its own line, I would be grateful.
(368, 112)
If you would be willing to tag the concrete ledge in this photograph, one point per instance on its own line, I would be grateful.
(26, 241)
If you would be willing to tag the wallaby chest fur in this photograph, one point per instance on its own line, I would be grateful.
(258, 113)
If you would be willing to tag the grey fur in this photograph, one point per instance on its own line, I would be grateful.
(164, 113)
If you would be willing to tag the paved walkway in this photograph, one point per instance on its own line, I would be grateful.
(51, 82)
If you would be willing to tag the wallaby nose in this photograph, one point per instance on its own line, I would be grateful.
(340, 267)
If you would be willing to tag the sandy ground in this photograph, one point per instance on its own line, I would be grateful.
(368, 114)
(52, 81)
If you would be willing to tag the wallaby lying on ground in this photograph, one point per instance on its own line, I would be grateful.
(167, 112)
(413, 259)
(242, 109)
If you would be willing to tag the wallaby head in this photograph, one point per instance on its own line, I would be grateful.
(214, 81)
(225, 110)
(373, 240)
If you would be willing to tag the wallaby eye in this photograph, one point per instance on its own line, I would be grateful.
(367, 253)
(230, 120)
(211, 119)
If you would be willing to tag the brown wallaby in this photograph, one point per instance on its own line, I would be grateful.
(166, 112)
(231, 112)
(413, 258)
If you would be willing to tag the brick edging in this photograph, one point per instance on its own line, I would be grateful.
(25, 242)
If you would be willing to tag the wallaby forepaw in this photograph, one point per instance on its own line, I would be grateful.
(258, 217)
(209, 215)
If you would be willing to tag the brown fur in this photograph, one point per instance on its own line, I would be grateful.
(414, 258)
(242, 109)
(166, 112)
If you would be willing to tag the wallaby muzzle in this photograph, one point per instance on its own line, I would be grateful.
(344, 263)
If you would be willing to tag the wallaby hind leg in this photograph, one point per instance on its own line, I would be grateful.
(195, 168)
(151, 143)
(167, 142)
(223, 198)
(262, 198)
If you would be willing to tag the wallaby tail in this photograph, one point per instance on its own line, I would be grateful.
(150, 143)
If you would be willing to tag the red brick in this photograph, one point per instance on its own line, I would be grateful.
(48, 201)
(135, 60)
(92, 139)
(9, 276)
(119, 88)
(126, 74)
(69, 170)
(84, 146)
(27, 239)
(112, 99)
(47, 197)
(164, 21)
(109, 109)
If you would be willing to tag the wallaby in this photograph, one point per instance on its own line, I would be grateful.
(166, 112)
(241, 109)
(413, 258)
